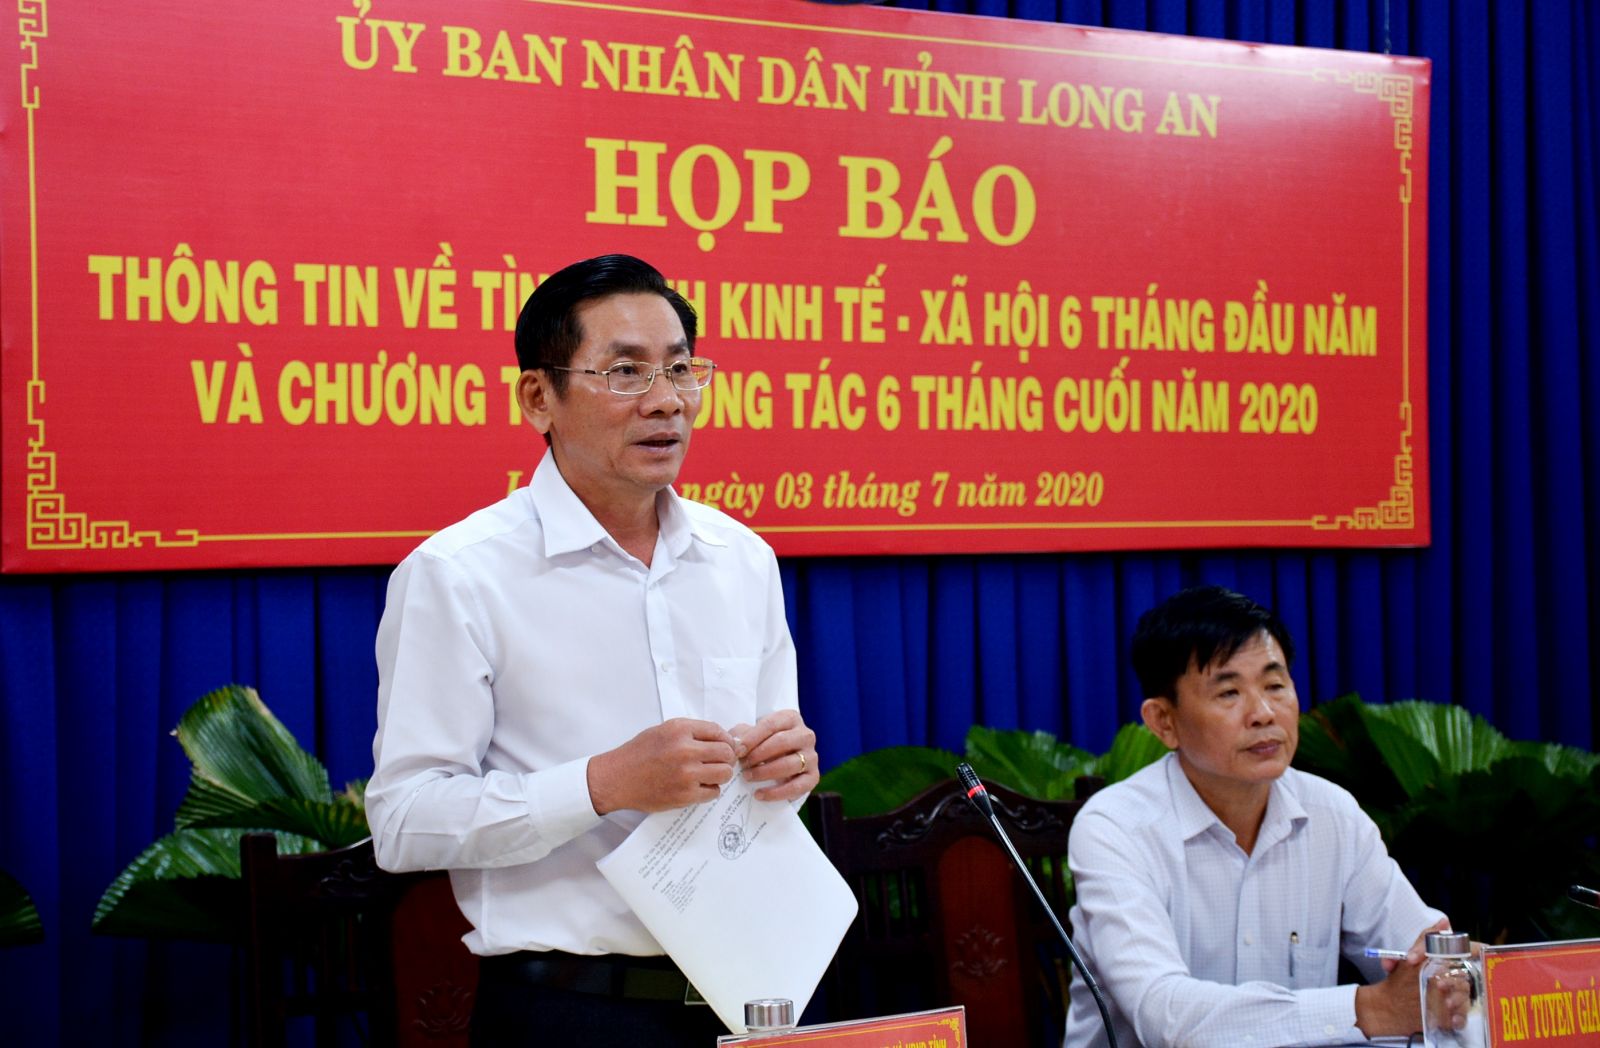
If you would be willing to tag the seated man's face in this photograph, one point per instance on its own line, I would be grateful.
(1236, 723)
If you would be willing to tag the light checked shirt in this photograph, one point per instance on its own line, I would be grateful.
(1197, 944)
(521, 641)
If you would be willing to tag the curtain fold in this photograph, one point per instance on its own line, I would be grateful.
(1497, 614)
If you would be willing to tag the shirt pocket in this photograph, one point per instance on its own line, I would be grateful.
(1312, 965)
(730, 689)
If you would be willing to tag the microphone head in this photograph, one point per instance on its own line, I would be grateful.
(974, 787)
(969, 778)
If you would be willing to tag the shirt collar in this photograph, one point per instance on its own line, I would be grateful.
(1284, 813)
(679, 527)
(1196, 817)
(569, 526)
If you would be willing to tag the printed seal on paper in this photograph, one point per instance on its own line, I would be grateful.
(731, 842)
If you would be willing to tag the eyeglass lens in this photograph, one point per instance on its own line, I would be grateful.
(630, 376)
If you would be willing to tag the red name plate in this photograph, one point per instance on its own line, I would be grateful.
(941, 1028)
(1544, 994)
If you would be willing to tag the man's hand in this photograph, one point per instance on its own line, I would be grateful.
(1393, 1008)
(672, 765)
(779, 749)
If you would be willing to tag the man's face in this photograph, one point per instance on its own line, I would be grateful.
(616, 448)
(1235, 724)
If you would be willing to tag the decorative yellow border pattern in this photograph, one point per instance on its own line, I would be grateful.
(48, 524)
(1398, 511)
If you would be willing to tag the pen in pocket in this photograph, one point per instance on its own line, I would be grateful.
(1294, 946)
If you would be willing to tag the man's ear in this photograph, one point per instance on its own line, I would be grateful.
(1157, 714)
(534, 397)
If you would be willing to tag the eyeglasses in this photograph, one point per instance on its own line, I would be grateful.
(632, 378)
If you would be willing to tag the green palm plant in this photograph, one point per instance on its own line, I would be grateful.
(1034, 763)
(248, 774)
(19, 918)
(1490, 829)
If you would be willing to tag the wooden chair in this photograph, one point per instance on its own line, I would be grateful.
(332, 937)
(945, 919)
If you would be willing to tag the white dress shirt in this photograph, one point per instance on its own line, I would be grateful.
(523, 640)
(1197, 944)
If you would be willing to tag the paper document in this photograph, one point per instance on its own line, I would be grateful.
(739, 895)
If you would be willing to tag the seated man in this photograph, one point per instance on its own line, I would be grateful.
(1218, 887)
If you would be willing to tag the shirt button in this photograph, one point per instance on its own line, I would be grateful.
(666, 667)
(1249, 940)
(1328, 1029)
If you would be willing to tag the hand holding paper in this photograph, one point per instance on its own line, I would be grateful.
(677, 762)
(780, 750)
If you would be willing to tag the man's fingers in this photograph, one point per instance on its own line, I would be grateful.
(754, 736)
(715, 775)
(782, 744)
(702, 729)
(712, 752)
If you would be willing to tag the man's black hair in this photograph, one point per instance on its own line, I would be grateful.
(548, 331)
(1202, 626)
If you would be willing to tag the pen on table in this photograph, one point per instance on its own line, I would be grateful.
(1388, 955)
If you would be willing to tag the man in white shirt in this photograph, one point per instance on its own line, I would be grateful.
(1218, 888)
(588, 650)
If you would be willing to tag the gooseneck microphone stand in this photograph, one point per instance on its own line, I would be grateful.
(979, 796)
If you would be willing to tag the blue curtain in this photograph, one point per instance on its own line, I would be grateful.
(1497, 614)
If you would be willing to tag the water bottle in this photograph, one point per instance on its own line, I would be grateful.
(768, 1015)
(1452, 994)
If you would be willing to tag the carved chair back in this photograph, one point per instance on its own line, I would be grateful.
(333, 938)
(945, 919)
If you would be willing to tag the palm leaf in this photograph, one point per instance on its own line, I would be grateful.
(1133, 748)
(1034, 763)
(1336, 744)
(240, 749)
(1334, 741)
(185, 885)
(335, 822)
(19, 918)
(247, 774)
(1427, 743)
(881, 780)
(1567, 763)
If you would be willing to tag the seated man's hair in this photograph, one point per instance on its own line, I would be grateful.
(1205, 625)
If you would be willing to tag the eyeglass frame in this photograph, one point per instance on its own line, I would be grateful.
(650, 383)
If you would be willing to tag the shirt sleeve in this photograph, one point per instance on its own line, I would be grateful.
(778, 687)
(1141, 969)
(429, 803)
(1381, 908)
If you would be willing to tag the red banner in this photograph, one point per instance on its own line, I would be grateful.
(971, 284)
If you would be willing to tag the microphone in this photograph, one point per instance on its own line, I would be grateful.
(979, 796)
(1587, 896)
